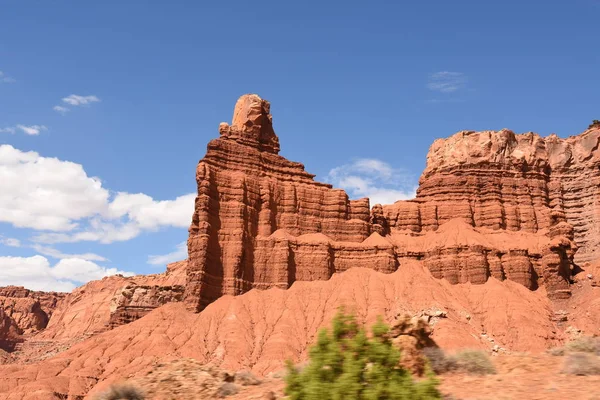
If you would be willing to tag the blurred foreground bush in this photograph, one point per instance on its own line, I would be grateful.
(347, 364)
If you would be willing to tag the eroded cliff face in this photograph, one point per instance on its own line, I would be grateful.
(253, 208)
(24, 311)
(516, 182)
(116, 300)
(262, 221)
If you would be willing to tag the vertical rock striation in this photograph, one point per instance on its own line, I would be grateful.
(490, 204)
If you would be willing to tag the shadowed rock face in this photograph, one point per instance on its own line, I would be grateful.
(262, 221)
(24, 311)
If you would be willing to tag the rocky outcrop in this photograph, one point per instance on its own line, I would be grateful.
(262, 221)
(134, 301)
(47, 300)
(22, 312)
(246, 193)
(259, 330)
(508, 181)
(113, 301)
(10, 333)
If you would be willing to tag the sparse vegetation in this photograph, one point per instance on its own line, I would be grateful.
(246, 378)
(475, 362)
(595, 124)
(346, 364)
(122, 392)
(227, 389)
(557, 351)
(581, 364)
(584, 344)
(439, 361)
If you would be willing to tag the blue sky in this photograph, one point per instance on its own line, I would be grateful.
(358, 91)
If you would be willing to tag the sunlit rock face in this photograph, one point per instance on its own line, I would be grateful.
(490, 204)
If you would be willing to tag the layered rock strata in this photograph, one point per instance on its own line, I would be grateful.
(262, 221)
(23, 311)
(514, 182)
(113, 301)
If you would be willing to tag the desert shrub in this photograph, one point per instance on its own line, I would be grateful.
(345, 363)
(584, 344)
(581, 364)
(474, 362)
(595, 123)
(227, 389)
(556, 351)
(122, 392)
(246, 378)
(439, 361)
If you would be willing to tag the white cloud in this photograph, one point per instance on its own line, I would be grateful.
(179, 254)
(150, 214)
(375, 179)
(6, 79)
(32, 130)
(11, 242)
(446, 81)
(48, 194)
(54, 253)
(76, 100)
(61, 110)
(36, 273)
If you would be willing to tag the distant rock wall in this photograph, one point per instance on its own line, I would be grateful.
(116, 300)
(262, 221)
(503, 180)
(24, 311)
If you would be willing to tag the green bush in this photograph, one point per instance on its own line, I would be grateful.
(581, 364)
(346, 364)
(474, 362)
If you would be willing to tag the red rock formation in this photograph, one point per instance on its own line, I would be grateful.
(246, 193)
(47, 300)
(261, 221)
(112, 301)
(10, 333)
(501, 180)
(23, 311)
(259, 330)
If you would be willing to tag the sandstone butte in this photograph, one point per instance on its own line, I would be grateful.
(501, 226)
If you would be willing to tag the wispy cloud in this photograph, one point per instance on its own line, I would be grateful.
(32, 130)
(75, 100)
(375, 179)
(61, 110)
(55, 253)
(6, 79)
(449, 100)
(10, 242)
(179, 254)
(447, 81)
